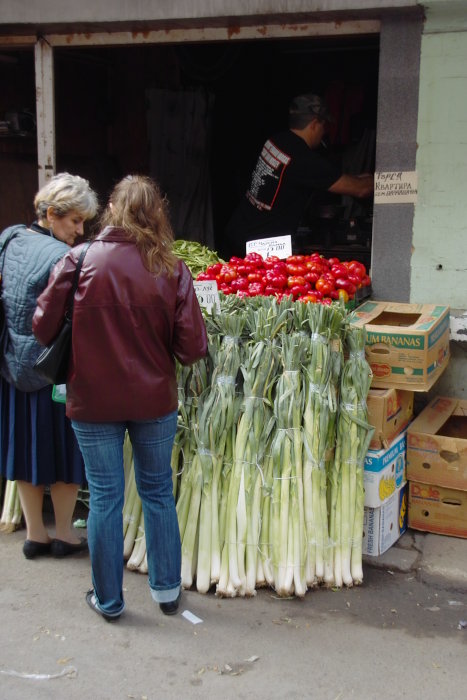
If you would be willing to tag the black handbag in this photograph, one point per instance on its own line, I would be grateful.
(52, 363)
(4, 336)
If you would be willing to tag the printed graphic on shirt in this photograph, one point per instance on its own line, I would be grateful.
(267, 176)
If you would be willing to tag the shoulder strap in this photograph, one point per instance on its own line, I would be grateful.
(12, 233)
(76, 277)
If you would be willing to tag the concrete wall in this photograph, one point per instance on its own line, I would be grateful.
(439, 256)
(56, 11)
(396, 150)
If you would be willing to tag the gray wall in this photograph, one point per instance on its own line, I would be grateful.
(58, 11)
(396, 150)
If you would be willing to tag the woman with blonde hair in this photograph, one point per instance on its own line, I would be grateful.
(135, 312)
(37, 444)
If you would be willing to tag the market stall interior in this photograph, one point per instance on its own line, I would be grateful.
(195, 117)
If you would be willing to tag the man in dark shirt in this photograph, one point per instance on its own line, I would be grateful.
(287, 173)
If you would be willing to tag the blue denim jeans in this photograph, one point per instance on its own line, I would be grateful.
(101, 445)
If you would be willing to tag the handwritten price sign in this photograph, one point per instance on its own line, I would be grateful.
(396, 187)
(279, 245)
(208, 294)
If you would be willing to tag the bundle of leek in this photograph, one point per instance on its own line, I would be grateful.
(287, 520)
(216, 416)
(192, 383)
(353, 438)
(138, 555)
(132, 514)
(240, 560)
(11, 512)
(324, 324)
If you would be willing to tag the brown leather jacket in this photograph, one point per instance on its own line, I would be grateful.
(128, 325)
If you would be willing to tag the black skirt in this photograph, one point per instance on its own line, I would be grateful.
(37, 442)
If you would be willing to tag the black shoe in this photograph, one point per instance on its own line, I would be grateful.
(60, 548)
(171, 607)
(33, 549)
(91, 600)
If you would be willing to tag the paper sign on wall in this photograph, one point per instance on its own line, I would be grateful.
(396, 187)
(207, 294)
(279, 245)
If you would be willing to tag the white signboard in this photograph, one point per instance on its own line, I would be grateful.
(279, 245)
(208, 294)
(396, 188)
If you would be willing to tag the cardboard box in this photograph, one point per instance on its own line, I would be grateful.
(389, 412)
(437, 509)
(407, 345)
(385, 471)
(384, 525)
(437, 444)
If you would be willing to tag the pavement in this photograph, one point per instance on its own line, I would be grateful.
(435, 559)
(405, 625)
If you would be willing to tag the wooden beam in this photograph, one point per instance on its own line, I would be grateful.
(45, 110)
(227, 33)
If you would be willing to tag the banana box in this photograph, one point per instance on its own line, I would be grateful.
(389, 412)
(383, 526)
(437, 509)
(437, 444)
(406, 345)
(385, 471)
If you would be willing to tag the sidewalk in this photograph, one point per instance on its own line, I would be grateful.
(333, 644)
(436, 559)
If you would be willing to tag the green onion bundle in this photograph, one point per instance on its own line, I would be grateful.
(11, 512)
(324, 324)
(269, 452)
(216, 416)
(243, 517)
(286, 520)
(353, 438)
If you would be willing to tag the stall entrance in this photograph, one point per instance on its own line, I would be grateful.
(195, 115)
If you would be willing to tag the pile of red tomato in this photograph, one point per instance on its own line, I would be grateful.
(310, 278)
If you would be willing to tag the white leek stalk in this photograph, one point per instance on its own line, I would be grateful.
(353, 437)
(132, 518)
(11, 511)
(289, 550)
(139, 550)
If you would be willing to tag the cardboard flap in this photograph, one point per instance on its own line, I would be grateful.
(434, 416)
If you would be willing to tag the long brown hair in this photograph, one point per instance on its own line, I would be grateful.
(137, 206)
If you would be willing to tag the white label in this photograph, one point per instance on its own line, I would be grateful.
(279, 245)
(208, 294)
(396, 188)
(59, 393)
(191, 617)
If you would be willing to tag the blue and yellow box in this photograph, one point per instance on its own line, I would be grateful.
(383, 526)
(385, 471)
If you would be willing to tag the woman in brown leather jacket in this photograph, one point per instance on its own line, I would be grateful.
(135, 311)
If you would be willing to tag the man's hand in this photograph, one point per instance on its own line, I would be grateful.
(355, 185)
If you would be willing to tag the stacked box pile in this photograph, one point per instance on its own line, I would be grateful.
(385, 484)
(407, 347)
(437, 468)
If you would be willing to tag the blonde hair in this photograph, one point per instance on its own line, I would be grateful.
(66, 193)
(137, 206)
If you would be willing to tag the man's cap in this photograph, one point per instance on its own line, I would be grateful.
(310, 105)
